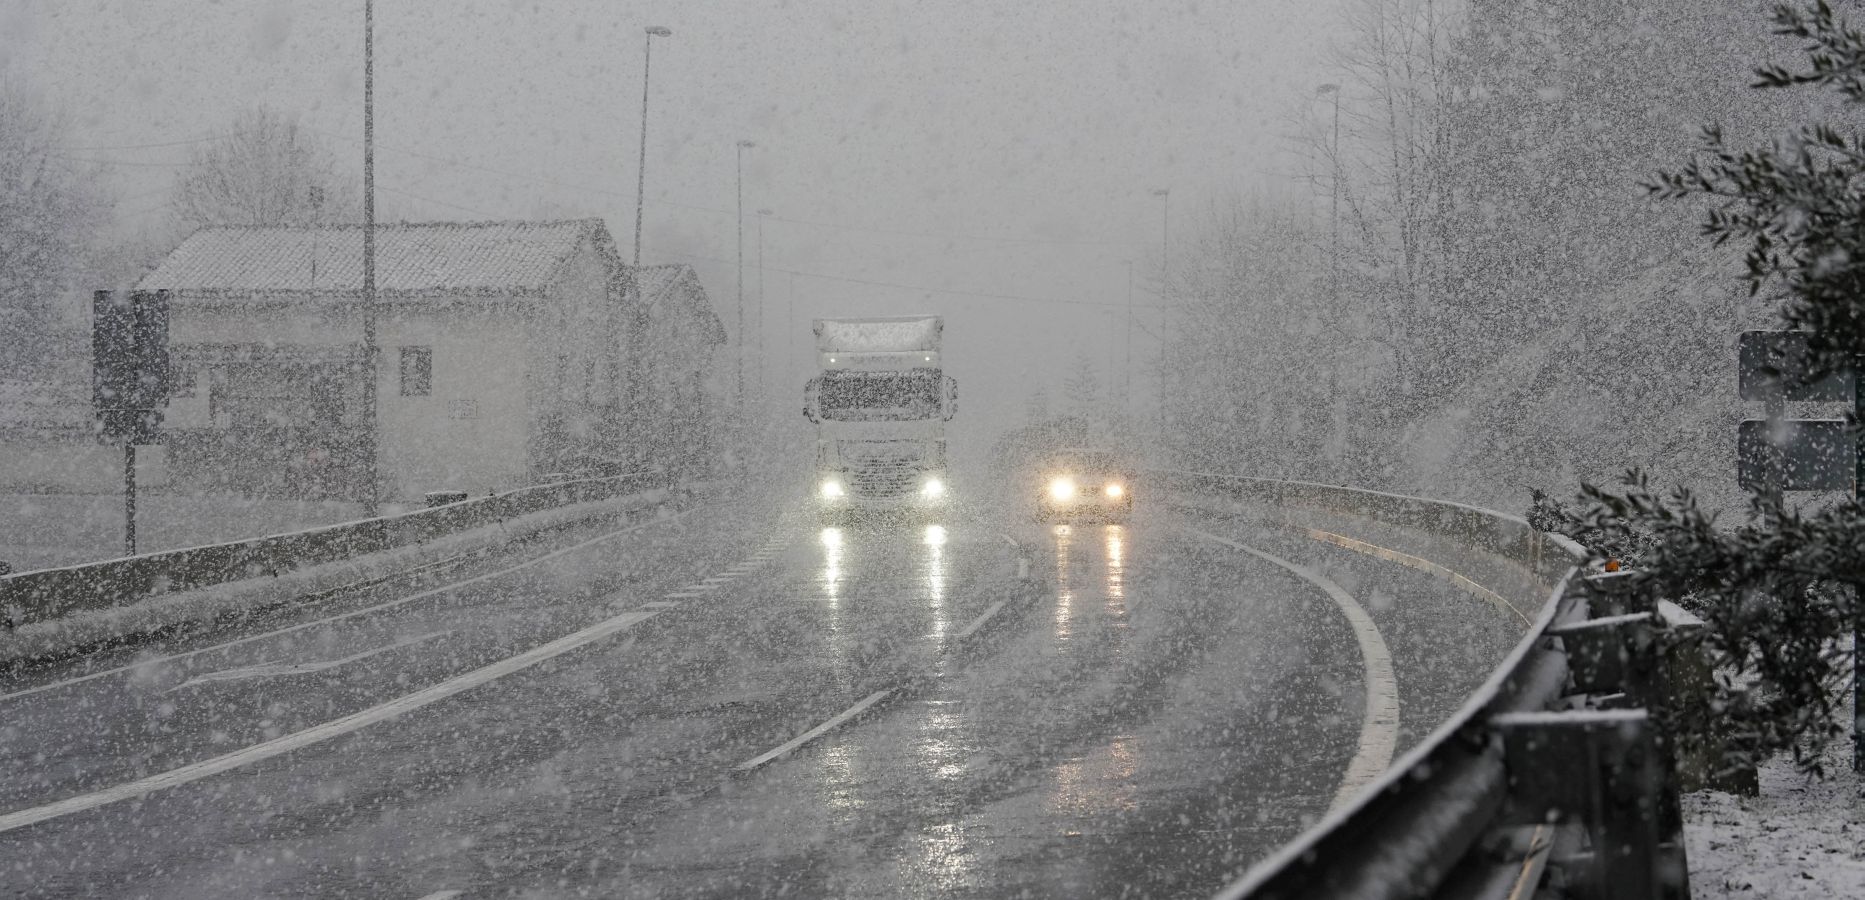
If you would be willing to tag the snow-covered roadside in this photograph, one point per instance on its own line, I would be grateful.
(1800, 838)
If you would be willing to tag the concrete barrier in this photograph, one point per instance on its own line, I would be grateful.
(51, 610)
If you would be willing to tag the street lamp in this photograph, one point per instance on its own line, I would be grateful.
(372, 491)
(743, 145)
(1126, 391)
(757, 327)
(641, 171)
(1165, 227)
(1165, 279)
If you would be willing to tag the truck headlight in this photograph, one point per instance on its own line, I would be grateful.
(932, 488)
(831, 489)
(1062, 488)
(1115, 490)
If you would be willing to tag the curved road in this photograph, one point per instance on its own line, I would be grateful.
(722, 700)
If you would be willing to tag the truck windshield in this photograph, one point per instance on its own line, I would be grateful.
(880, 396)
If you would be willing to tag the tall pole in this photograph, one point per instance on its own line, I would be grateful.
(129, 496)
(371, 419)
(1126, 392)
(641, 169)
(1858, 590)
(742, 146)
(757, 324)
(1165, 279)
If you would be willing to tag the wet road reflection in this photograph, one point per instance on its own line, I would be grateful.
(1119, 723)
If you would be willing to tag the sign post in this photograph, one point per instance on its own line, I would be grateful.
(129, 380)
(1778, 454)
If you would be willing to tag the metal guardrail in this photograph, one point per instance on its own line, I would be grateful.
(1553, 769)
(47, 595)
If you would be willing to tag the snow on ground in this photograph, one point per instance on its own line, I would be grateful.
(43, 530)
(1800, 838)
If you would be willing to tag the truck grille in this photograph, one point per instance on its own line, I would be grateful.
(883, 483)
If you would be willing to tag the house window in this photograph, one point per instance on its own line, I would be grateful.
(417, 371)
(182, 382)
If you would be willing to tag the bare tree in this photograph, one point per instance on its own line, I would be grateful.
(50, 209)
(265, 171)
(1385, 156)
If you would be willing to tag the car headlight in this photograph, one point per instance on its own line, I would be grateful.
(831, 489)
(1115, 490)
(1062, 488)
(932, 488)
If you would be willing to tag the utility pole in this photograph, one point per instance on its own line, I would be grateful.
(743, 145)
(372, 496)
(757, 325)
(1126, 391)
(1165, 279)
(1858, 590)
(641, 170)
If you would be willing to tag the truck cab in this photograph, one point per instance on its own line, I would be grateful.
(880, 404)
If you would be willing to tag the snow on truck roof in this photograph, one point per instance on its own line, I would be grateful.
(878, 334)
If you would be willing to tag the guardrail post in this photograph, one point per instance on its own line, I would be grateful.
(1602, 769)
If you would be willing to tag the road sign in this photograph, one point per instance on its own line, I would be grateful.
(1777, 360)
(129, 364)
(1815, 454)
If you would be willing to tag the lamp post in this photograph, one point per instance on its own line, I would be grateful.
(1334, 195)
(1165, 278)
(641, 170)
(1126, 391)
(372, 491)
(757, 326)
(743, 145)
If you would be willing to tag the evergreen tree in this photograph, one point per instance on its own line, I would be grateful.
(1780, 592)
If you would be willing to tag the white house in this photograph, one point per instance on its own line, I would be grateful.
(508, 351)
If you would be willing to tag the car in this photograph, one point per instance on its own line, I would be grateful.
(1080, 483)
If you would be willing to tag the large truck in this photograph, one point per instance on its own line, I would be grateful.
(880, 404)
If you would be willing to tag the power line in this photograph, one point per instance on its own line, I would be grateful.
(410, 196)
(727, 212)
(98, 147)
(989, 295)
(122, 162)
(960, 237)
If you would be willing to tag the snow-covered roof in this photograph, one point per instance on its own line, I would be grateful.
(658, 284)
(410, 257)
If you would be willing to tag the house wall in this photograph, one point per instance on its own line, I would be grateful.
(469, 433)
(572, 379)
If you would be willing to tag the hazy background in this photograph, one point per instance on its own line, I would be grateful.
(992, 162)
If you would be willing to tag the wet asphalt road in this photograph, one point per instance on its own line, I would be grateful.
(992, 708)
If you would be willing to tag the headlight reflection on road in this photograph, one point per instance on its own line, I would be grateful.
(1099, 781)
(1116, 566)
(831, 577)
(935, 538)
(1065, 593)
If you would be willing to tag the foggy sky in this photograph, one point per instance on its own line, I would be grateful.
(1041, 120)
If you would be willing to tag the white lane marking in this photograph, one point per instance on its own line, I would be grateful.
(686, 595)
(659, 604)
(349, 615)
(816, 732)
(978, 622)
(333, 728)
(443, 895)
(1379, 727)
(269, 670)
